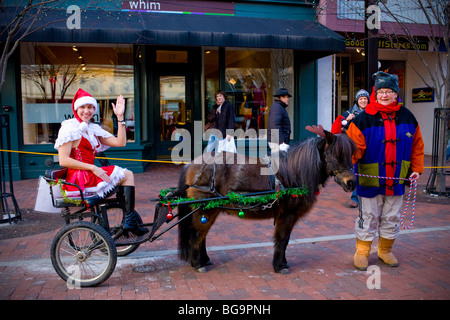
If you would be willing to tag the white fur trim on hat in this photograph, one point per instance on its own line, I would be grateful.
(85, 100)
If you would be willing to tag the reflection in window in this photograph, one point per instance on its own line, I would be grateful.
(172, 105)
(251, 77)
(247, 76)
(52, 73)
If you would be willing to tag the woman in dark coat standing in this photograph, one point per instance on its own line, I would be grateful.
(221, 117)
(279, 120)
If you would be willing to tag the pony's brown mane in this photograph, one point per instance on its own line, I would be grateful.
(343, 148)
(303, 165)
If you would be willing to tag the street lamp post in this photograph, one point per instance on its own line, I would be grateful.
(371, 44)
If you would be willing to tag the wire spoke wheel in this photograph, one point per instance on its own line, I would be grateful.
(83, 254)
(115, 216)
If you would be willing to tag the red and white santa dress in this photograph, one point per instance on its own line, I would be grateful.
(75, 129)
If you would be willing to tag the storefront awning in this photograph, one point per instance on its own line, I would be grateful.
(187, 30)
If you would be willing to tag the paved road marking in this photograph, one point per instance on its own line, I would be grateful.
(143, 254)
(42, 265)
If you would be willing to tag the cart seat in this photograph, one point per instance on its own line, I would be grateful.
(59, 202)
(91, 200)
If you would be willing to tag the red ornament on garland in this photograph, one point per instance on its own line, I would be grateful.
(169, 215)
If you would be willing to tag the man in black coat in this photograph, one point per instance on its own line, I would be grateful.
(279, 120)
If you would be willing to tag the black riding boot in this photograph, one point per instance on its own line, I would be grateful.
(126, 196)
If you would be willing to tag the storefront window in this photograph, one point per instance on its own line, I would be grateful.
(249, 83)
(52, 73)
(211, 72)
(251, 78)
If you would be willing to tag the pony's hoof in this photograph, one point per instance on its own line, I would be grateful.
(284, 271)
(201, 270)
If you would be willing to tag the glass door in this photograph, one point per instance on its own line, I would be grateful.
(173, 88)
(172, 104)
(174, 113)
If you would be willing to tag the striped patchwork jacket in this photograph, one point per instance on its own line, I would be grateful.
(386, 154)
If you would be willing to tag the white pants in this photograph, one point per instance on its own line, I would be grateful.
(382, 214)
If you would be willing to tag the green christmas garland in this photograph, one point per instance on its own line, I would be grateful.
(63, 192)
(234, 198)
(164, 192)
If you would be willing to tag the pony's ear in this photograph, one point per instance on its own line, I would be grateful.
(330, 137)
(321, 145)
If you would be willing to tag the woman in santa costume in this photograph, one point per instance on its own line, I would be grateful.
(79, 140)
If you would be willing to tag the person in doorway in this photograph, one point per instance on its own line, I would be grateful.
(221, 117)
(279, 120)
(79, 140)
(343, 122)
(389, 144)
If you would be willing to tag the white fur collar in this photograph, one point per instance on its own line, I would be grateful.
(72, 130)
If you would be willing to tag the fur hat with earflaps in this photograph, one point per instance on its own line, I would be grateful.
(385, 80)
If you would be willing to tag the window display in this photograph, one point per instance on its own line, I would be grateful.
(52, 73)
(251, 78)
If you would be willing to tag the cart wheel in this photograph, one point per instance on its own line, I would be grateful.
(115, 216)
(83, 254)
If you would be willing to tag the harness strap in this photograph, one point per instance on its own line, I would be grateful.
(211, 188)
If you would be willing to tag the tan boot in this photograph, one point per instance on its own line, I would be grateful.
(384, 252)
(361, 258)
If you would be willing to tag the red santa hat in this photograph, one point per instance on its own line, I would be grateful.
(80, 99)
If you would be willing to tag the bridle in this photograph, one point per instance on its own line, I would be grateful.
(332, 163)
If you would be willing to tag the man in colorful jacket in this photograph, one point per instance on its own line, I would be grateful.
(389, 145)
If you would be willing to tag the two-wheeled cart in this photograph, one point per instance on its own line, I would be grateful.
(84, 252)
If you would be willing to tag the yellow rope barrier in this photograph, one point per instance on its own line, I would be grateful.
(158, 161)
(108, 158)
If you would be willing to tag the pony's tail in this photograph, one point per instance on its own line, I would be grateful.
(184, 227)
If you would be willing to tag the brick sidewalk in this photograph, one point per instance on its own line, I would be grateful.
(320, 257)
